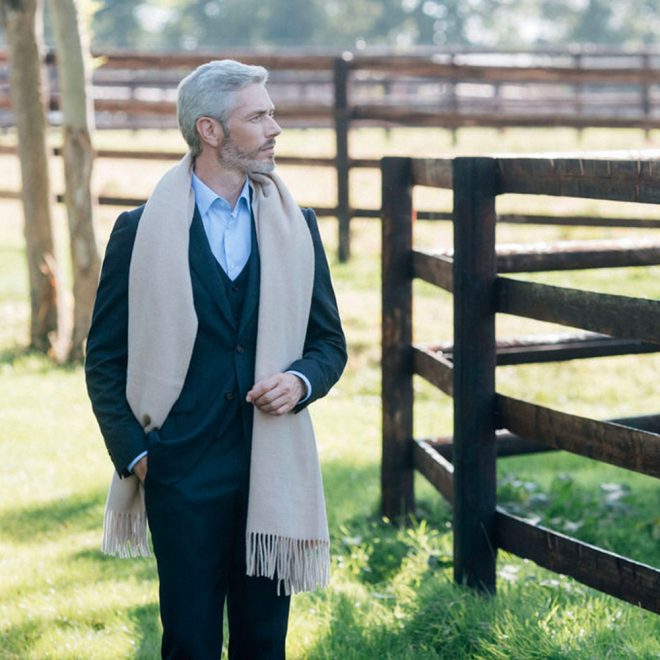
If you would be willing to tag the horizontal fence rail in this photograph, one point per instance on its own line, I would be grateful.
(620, 316)
(606, 571)
(619, 445)
(550, 348)
(488, 424)
(451, 89)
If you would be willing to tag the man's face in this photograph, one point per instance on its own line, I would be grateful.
(250, 145)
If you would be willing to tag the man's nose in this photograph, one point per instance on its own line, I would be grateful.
(273, 129)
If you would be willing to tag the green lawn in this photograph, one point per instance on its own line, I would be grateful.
(391, 594)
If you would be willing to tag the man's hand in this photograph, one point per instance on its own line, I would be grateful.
(278, 394)
(140, 469)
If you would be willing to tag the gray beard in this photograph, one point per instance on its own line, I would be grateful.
(246, 162)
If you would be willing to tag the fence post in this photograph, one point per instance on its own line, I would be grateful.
(474, 372)
(645, 92)
(577, 90)
(341, 69)
(397, 385)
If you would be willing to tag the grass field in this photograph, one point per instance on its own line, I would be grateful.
(391, 594)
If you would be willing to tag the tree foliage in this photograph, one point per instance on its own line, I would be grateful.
(218, 24)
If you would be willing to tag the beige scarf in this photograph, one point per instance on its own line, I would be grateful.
(287, 530)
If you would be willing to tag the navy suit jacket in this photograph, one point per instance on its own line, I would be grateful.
(221, 369)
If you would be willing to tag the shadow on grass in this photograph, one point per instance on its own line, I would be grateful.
(17, 639)
(350, 489)
(115, 568)
(443, 620)
(30, 524)
(13, 354)
(146, 620)
(35, 360)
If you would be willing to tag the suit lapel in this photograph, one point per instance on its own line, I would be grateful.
(207, 268)
(251, 302)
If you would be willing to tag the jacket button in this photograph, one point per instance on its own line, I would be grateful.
(229, 396)
(239, 349)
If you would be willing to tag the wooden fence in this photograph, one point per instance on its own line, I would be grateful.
(449, 89)
(488, 424)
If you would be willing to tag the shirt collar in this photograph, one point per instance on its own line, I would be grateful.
(204, 196)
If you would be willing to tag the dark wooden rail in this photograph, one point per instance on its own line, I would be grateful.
(488, 424)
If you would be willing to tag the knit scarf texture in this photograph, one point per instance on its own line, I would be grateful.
(287, 531)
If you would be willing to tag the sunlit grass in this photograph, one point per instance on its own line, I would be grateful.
(392, 594)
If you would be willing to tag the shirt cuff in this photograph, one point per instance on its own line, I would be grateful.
(305, 380)
(136, 460)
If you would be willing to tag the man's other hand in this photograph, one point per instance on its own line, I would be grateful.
(278, 394)
(140, 469)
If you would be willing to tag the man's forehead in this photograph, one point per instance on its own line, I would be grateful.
(253, 98)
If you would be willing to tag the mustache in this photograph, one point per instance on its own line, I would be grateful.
(267, 145)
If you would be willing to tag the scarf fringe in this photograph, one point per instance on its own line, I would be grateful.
(125, 534)
(297, 564)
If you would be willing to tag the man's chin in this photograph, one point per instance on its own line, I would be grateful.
(262, 167)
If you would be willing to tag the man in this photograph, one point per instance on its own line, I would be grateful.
(215, 325)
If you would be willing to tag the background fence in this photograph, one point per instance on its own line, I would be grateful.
(429, 88)
(486, 423)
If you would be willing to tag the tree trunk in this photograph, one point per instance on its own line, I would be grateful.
(20, 18)
(77, 121)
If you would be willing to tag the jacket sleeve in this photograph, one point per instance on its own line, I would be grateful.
(107, 349)
(324, 353)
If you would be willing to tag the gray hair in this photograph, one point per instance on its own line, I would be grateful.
(209, 92)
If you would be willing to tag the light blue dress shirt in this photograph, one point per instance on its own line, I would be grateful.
(229, 232)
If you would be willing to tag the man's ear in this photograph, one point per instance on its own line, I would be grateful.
(210, 131)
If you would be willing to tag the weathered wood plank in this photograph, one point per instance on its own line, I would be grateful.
(578, 349)
(437, 469)
(474, 371)
(432, 172)
(397, 364)
(426, 66)
(446, 118)
(434, 268)
(563, 346)
(556, 347)
(508, 444)
(341, 119)
(609, 314)
(574, 255)
(141, 60)
(618, 180)
(612, 443)
(563, 255)
(571, 221)
(577, 221)
(435, 368)
(613, 574)
(433, 215)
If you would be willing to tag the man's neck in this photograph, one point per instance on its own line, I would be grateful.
(224, 182)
